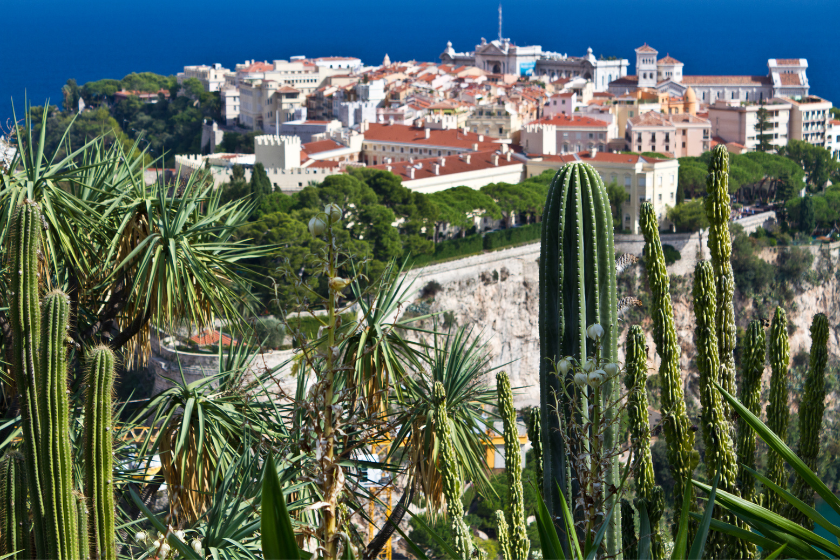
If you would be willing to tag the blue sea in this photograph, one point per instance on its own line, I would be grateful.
(45, 42)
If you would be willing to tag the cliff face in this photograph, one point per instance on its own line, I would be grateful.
(498, 295)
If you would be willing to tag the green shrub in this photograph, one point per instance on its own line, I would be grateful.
(270, 332)
(458, 247)
(671, 254)
(512, 236)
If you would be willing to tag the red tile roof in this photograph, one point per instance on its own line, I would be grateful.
(404, 134)
(668, 60)
(726, 80)
(287, 89)
(571, 122)
(603, 94)
(324, 164)
(646, 48)
(787, 61)
(835, 122)
(790, 79)
(425, 168)
(625, 81)
(257, 67)
(604, 157)
(320, 146)
(209, 337)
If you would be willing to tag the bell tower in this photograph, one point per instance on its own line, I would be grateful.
(646, 65)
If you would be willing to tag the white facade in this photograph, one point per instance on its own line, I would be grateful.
(350, 63)
(211, 77)
(646, 69)
(281, 152)
(809, 119)
(229, 96)
(832, 139)
(351, 113)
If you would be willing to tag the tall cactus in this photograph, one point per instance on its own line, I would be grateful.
(720, 452)
(629, 540)
(752, 368)
(82, 526)
(14, 515)
(777, 410)
(577, 289)
(811, 410)
(503, 534)
(98, 453)
(677, 426)
(515, 514)
(54, 404)
(536, 443)
(451, 475)
(718, 210)
(637, 411)
(24, 308)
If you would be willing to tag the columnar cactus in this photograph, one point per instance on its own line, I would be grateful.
(515, 513)
(677, 426)
(777, 410)
(577, 289)
(718, 210)
(82, 526)
(811, 410)
(720, 452)
(752, 368)
(24, 308)
(536, 443)
(451, 475)
(637, 410)
(503, 534)
(14, 515)
(56, 455)
(99, 484)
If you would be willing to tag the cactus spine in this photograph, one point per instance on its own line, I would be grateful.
(98, 453)
(56, 464)
(811, 410)
(577, 289)
(752, 366)
(82, 526)
(515, 516)
(718, 210)
(637, 410)
(536, 443)
(720, 453)
(503, 534)
(777, 410)
(24, 307)
(14, 516)
(451, 475)
(677, 427)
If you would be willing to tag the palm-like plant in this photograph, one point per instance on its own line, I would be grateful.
(457, 360)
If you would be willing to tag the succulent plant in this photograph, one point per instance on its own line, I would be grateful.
(778, 412)
(515, 513)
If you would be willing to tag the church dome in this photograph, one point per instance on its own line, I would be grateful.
(690, 96)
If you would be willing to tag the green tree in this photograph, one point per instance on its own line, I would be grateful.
(814, 160)
(807, 216)
(260, 184)
(761, 125)
(192, 87)
(617, 195)
(689, 216)
(512, 200)
(71, 93)
(459, 206)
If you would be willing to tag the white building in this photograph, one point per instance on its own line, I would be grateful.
(785, 77)
(265, 104)
(229, 96)
(350, 63)
(211, 77)
(736, 122)
(645, 180)
(352, 113)
(566, 135)
(809, 119)
(560, 104)
(503, 57)
(832, 138)
(470, 169)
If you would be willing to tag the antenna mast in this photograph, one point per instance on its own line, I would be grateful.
(500, 22)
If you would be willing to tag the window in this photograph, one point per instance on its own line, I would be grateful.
(660, 196)
(660, 184)
(638, 137)
(501, 130)
(627, 180)
(642, 181)
(672, 196)
(683, 144)
(630, 114)
(672, 176)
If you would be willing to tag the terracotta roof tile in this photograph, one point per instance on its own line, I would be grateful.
(625, 80)
(257, 67)
(727, 80)
(790, 79)
(404, 134)
(646, 48)
(605, 157)
(787, 61)
(668, 60)
(563, 121)
(424, 168)
(320, 146)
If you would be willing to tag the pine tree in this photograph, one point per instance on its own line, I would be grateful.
(761, 125)
(260, 183)
(807, 216)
